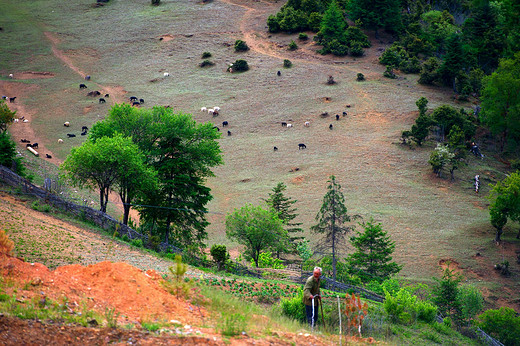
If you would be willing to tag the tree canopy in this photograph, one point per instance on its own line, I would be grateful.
(505, 202)
(6, 115)
(255, 228)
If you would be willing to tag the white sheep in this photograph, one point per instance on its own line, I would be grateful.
(60, 140)
(166, 74)
(289, 125)
(211, 111)
(217, 109)
(203, 109)
(25, 121)
(15, 120)
(66, 124)
(11, 75)
(307, 124)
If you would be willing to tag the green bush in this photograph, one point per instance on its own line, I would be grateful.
(137, 242)
(429, 71)
(239, 66)
(294, 307)
(391, 56)
(206, 63)
(389, 73)
(220, 255)
(125, 238)
(356, 49)
(287, 63)
(471, 301)
(266, 260)
(241, 46)
(303, 36)
(405, 308)
(502, 324)
(293, 45)
(206, 55)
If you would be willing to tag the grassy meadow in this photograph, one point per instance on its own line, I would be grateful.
(430, 219)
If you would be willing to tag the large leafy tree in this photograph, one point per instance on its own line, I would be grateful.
(255, 228)
(501, 102)
(453, 61)
(505, 203)
(101, 164)
(373, 256)
(333, 221)
(333, 24)
(283, 206)
(182, 153)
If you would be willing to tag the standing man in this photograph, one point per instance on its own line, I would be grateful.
(311, 291)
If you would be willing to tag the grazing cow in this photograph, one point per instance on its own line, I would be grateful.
(225, 123)
(102, 100)
(307, 124)
(23, 140)
(229, 133)
(324, 114)
(11, 75)
(94, 93)
(28, 145)
(215, 127)
(284, 124)
(279, 73)
(331, 127)
(275, 149)
(84, 129)
(87, 77)
(107, 95)
(344, 114)
(302, 146)
(82, 86)
(60, 140)
(48, 156)
(136, 103)
(66, 124)
(35, 145)
(337, 117)
(11, 99)
(141, 101)
(133, 98)
(348, 106)
(215, 113)
(70, 135)
(84, 133)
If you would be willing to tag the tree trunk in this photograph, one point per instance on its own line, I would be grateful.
(126, 212)
(518, 234)
(499, 233)
(101, 200)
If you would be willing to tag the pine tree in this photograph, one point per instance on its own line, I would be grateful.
(373, 256)
(453, 61)
(333, 24)
(282, 205)
(332, 218)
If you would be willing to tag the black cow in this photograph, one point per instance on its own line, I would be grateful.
(82, 86)
(28, 145)
(35, 145)
(284, 123)
(302, 146)
(279, 73)
(215, 127)
(229, 133)
(87, 77)
(135, 103)
(344, 113)
(133, 98)
(70, 135)
(48, 156)
(275, 149)
(337, 116)
(331, 127)
(102, 100)
(93, 93)
(107, 95)
(141, 101)
(225, 123)
(11, 99)
(84, 129)
(25, 140)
